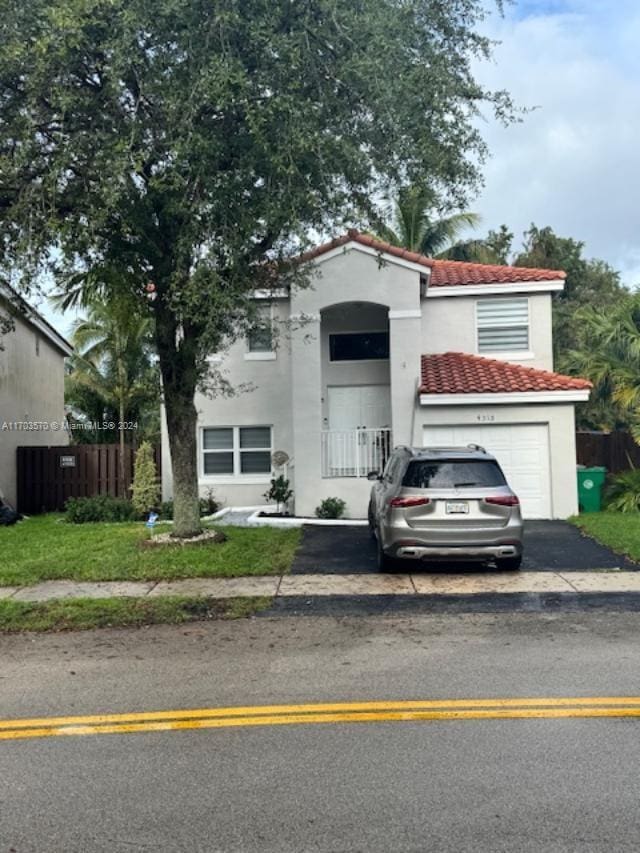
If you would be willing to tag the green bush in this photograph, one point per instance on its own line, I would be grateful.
(331, 508)
(98, 508)
(145, 491)
(279, 492)
(623, 492)
(208, 505)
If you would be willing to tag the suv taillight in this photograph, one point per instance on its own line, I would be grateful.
(412, 500)
(503, 500)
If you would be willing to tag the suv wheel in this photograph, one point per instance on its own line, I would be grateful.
(509, 563)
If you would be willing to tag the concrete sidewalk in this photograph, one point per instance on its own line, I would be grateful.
(423, 584)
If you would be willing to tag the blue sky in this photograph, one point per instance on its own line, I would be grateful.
(573, 162)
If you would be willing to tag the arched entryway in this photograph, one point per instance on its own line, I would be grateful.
(356, 389)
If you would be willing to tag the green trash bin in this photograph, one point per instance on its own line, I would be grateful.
(590, 483)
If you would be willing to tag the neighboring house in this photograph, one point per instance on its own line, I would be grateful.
(388, 347)
(31, 387)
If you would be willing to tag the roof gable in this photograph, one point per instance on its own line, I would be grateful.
(441, 273)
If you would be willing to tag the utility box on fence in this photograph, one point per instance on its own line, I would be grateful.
(590, 483)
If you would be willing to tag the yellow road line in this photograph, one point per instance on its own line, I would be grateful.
(315, 718)
(250, 710)
(336, 712)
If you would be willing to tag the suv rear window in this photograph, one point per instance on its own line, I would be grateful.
(452, 474)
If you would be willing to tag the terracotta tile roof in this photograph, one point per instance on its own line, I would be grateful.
(443, 273)
(461, 373)
(454, 273)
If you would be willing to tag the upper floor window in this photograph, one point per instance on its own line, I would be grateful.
(503, 325)
(358, 346)
(260, 338)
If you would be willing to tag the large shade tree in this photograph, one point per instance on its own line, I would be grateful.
(177, 145)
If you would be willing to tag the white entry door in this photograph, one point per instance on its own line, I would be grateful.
(522, 451)
(356, 441)
(359, 406)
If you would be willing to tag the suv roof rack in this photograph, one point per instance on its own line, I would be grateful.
(477, 447)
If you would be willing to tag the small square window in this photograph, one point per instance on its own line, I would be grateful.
(503, 325)
(255, 462)
(255, 437)
(260, 338)
(218, 439)
(218, 463)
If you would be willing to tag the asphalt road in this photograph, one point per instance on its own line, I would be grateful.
(455, 785)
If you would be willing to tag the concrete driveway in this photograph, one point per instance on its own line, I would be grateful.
(549, 546)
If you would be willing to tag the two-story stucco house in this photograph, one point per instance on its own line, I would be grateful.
(31, 387)
(386, 348)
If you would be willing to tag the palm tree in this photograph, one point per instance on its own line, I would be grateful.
(608, 353)
(112, 360)
(415, 226)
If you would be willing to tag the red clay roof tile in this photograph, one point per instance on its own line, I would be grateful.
(443, 273)
(461, 373)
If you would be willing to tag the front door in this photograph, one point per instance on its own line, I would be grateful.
(356, 414)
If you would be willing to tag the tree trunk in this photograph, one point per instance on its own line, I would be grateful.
(181, 427)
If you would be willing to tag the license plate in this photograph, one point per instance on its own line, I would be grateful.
(459, 507)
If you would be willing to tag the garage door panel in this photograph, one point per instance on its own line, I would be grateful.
(522, 451)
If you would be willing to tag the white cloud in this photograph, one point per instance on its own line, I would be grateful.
(573, 162)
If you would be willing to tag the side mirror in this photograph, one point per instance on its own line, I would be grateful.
(374, 475)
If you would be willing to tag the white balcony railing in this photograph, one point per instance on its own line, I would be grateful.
(354, 452)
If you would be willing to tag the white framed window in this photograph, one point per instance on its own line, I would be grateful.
(503, 325)
(260, 339)
(237, 451)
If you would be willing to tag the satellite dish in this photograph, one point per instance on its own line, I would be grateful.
(279, 458)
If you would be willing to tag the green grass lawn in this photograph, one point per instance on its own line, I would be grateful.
(83, 614)
(620, 531)
(47, 548)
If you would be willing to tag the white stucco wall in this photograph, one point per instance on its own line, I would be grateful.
(262, 398)
(449, 324)
(31, 389)
(562, 440)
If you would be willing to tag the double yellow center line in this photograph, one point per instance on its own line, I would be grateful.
(340, 712)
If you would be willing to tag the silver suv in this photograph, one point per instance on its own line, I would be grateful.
(445, 503)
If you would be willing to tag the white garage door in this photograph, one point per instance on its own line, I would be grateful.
(521, 449)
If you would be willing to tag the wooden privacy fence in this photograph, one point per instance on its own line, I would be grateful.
(616, 451)
(48, 476)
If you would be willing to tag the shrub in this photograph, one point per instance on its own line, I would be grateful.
(98, 508)
(331, 508)
(145, 490)
(208, 505)
(623, 492)
(279, 491)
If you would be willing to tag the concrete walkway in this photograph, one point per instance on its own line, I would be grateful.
(310, 585)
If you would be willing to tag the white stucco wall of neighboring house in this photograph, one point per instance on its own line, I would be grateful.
(562, 443)
(449, 324)
(31, 390)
